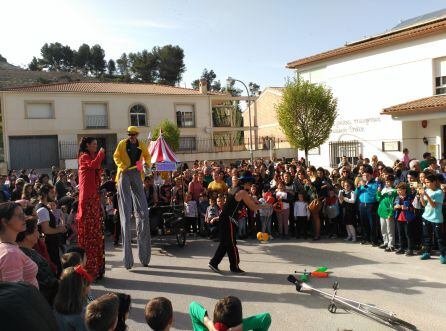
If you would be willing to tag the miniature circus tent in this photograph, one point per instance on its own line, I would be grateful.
(161, 152)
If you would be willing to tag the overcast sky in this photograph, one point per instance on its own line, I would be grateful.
(249, 40)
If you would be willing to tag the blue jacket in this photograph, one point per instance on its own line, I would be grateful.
(367, 193)
(408, 214)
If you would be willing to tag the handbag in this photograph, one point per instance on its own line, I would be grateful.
(315, 205)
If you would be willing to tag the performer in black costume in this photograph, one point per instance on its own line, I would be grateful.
(237, 198)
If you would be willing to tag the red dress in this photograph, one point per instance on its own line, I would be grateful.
(89, 214)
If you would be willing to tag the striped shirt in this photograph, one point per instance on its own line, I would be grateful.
(15, 266)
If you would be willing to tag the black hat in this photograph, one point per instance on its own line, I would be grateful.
(246, 177)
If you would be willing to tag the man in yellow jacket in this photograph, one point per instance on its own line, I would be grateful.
(128, 157)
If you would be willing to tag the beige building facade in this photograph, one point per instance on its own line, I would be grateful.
(43, 124)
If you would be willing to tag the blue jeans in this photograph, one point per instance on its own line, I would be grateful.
(429, 229)
(369, 222)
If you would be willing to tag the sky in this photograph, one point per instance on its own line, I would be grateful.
(249, 40)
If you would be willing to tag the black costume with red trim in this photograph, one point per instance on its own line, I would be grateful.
(228, 232)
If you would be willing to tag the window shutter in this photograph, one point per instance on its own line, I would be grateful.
(39, 110)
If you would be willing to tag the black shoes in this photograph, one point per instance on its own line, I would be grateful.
(238, 271)
(383, 246)
(399, 251)
(409, 252)
(214, 268)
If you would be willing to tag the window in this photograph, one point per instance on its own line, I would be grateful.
(95, 115)
(185, 116)
(39, 110)
(138, 115)
(440, 76)
(187, 144)
(338, 149)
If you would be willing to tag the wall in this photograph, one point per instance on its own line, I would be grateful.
(68, 122)
(414, 134)
(366, 83)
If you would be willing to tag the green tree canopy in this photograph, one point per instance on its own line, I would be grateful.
(210, 77)
(82, 59)
(34, 65)
(143, 65)
(111, 67)
(56, 57)
(123, 64)
(2, 59)
(306, 114)
(170, 64)
(171, 133)
(97, 60)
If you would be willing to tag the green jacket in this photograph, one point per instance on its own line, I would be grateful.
(386, 198)
(260, 322)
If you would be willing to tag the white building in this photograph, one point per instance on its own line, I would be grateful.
(378, 82)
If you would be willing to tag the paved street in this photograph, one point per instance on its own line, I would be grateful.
(413, 289)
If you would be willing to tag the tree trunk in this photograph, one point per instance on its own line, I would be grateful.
(306, 157)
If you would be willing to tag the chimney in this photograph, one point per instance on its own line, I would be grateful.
(203, 86)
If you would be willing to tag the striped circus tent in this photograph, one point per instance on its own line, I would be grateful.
(161, 152)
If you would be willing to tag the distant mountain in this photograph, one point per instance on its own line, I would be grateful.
(13, 76)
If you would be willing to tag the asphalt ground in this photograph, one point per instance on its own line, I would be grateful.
(413, 289)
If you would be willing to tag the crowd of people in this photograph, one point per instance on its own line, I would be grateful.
(52, 226)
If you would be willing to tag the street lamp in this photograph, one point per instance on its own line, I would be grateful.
(229, 82)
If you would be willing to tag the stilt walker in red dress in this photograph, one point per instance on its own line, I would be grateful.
(89, 214)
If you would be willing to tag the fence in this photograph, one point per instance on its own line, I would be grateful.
(220, 143)
(350, 149)
(228, 143)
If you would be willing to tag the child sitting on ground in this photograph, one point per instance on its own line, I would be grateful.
(81, 252)
(227, 315)
(125, 301)
(159, 314)
(102, 313)
(70, 260)
(71, 298)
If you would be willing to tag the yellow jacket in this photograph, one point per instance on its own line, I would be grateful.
(122, 159)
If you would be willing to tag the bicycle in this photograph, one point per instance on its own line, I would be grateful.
(377, 314)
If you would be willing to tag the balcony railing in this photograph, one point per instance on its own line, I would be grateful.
(96, 121)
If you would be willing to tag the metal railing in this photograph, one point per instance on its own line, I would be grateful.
(220, 143)
(338, 149)
(96, 121)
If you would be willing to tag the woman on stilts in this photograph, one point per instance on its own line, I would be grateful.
(237, 198)
(89, 215)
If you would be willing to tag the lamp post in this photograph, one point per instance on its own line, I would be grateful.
(229, 82)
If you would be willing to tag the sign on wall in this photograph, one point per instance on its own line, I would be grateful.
(391, 146)
(167, 166)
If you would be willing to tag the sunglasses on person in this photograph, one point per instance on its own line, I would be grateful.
(132, 134)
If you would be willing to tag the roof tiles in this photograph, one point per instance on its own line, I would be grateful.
(429, 104)
(112, 88)
(384, 39)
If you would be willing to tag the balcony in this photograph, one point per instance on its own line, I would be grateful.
(96, 121)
